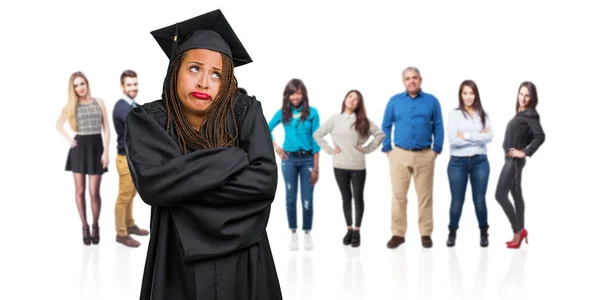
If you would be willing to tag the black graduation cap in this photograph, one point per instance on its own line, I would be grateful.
(208, 31)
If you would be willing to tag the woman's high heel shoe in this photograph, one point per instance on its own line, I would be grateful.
(522, 236)
(95, 234)
(87, 239)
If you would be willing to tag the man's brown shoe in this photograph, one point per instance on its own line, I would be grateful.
(128, 241)
(137, 231)
(395, 241)
(426, 241)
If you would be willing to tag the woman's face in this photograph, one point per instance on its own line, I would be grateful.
(468, 96)
(524, 96)
(351, 101)
(80, 86)
(199, 80)
(296, 98)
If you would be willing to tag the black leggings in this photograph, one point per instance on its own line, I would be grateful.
(510, 181)
(352, 182)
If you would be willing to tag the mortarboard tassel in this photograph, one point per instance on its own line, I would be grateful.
(170, 68)
(174, 46)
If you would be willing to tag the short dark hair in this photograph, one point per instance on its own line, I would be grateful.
(127, 73)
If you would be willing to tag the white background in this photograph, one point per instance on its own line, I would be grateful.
(332, 47)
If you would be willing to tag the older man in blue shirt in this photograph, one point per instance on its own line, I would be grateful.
(418, 138)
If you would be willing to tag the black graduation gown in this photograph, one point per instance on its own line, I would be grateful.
(210, 208)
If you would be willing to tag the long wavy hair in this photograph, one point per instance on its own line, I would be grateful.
(73, 99)
(290, 88)
(361, 125)
(476, 103)
(213, 129)
(533, 96)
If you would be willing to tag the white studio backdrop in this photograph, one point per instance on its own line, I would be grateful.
(333, 47)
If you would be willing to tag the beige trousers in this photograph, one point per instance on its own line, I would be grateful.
(403, 165)
(124, 204)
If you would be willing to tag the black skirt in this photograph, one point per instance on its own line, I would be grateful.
(86, 157)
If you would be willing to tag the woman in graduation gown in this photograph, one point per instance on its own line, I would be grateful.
(202, 157)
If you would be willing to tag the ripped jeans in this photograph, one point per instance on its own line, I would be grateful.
(298, 166)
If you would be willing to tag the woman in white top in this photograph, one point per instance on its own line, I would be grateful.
(349, 131)
(469, 131)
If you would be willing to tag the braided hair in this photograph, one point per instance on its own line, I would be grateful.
(213, 129)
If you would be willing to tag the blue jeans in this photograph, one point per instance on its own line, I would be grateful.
(298, 165)
(460, 170)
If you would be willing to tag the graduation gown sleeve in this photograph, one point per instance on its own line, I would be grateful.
(162, 175)
(257, 181)
(219, 199)
(234, 215)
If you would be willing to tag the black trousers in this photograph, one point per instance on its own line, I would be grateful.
(510, 181)
(352, 183)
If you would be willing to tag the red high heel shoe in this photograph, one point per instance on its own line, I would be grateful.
(517, 245)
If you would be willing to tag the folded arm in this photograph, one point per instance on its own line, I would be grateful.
(481, 137)
(257, 180)
(234, 215)
(162, 175)
(453, 131)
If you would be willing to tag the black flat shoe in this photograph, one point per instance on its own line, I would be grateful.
(355, 241)
(348, 237)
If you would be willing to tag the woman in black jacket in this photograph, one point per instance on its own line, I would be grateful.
(524, 135)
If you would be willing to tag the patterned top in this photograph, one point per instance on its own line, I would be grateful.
(89, 118)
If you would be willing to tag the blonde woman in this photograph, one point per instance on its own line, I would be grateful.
(88, 154)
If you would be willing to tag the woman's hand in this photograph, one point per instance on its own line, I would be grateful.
(314, 176)
(516, 153)
(360, 148)
(337, 150)
(73, 143)
(104, 160)
(461, 135)
(281, 153)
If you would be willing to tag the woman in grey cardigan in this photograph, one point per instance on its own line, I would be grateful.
(349, 131)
